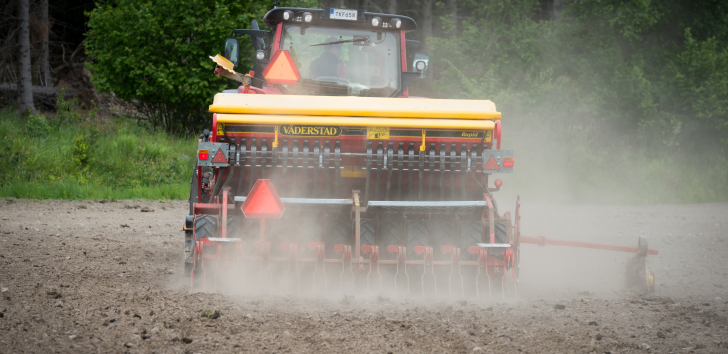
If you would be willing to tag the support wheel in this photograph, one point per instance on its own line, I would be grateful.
(205, 227)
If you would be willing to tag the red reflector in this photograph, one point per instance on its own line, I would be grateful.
(508, 162)
(498, 183)
(281, 69)
(203, 154)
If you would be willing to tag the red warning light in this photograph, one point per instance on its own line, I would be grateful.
(508, 162)
(498, 183)
(281, 69)
(203, 154)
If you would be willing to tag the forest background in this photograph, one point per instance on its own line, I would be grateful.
(604, 101)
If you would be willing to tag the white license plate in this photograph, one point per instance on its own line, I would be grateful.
(341, 14)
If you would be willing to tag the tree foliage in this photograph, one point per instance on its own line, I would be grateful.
(157, 53)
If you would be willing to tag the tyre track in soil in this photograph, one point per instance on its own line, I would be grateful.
(105, 277)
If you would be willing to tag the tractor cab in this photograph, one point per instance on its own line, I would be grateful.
(331, 52)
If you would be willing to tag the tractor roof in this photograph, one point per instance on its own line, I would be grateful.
(322, 17)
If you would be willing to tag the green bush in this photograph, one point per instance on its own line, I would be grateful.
(38, 126)
(157, 52)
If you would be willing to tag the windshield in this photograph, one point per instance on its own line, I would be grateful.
(343, 62)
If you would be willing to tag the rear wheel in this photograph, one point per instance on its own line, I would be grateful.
(205, 226)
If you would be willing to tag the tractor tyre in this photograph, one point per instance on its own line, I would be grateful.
(417, 235)
(205, 227)
(390, 233)
(338, 232)
(235, 226)
(471, 231)
(368, 230)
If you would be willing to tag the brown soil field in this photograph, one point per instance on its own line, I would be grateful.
(92, 277)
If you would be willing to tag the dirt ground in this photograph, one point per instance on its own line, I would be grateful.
(106, 277)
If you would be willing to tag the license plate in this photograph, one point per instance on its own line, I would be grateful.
(341, 14)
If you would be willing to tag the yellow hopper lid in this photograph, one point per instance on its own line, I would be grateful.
(352, 106)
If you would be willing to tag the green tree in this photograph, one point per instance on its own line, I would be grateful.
(157, 53)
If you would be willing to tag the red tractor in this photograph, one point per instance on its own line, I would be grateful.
(370, 179)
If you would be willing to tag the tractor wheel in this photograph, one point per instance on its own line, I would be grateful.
(390, 233)
(417, 234)
(310, 230)
(470, 235)
(443, 234)
(205, 227)
(338, 232)
(235, 226)
(368, 230)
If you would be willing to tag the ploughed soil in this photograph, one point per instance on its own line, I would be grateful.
(107, 277)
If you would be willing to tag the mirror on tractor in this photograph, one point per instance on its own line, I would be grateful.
(421, 62)
(232, 50)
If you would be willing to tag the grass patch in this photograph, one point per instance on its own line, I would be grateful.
(89, 158)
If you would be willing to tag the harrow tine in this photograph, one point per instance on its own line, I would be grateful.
(403, 250)
(487, 273)
(241, 185)
(503, 283)
(462, 280)
(196, 255)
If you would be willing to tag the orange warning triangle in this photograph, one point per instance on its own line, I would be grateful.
(281, 69)
(263, 201)
(219, 157)
(491, 165)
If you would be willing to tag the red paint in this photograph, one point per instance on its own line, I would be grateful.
(219, 157)
(281, 69)
(263, 201)
(542, 241)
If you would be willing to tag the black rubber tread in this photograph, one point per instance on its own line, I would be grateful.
(236, 227)
(205, 227)
(443, 231)
(391, 231)
(309, 229)
(470, 235)
(368, 231)
(338, 232)
(417, 235)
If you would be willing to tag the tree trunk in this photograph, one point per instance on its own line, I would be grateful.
(25, 85)
(392, 7)
(44, 53)
(453, 9)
